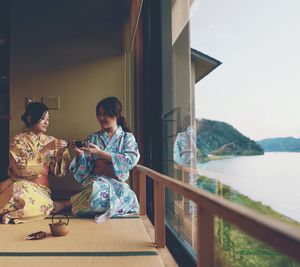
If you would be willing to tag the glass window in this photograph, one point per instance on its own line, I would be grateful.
(233, 128)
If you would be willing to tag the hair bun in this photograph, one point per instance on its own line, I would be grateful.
(35, 111)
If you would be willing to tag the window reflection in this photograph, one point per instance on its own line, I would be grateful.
(185, 147)
(237, 90)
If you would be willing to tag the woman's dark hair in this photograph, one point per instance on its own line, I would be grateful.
(113, 108)
(34, 113)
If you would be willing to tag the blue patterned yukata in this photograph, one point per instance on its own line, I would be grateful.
(185, 147)
(104, 196)
(185, 154)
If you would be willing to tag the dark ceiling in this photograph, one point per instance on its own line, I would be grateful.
(79, 30)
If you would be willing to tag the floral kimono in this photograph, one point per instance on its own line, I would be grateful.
(22, 198)
(104, 196)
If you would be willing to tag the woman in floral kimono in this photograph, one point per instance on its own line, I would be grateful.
(25, 196)
(103, 166)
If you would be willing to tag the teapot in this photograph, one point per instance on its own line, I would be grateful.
(59, 228)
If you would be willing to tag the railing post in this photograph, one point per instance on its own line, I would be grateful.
(142, 193)
(205, 244)
(159, 215)
(135, 182)
(139, 187)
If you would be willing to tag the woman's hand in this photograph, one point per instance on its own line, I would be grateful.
(78, 152)
(55, 144)
(92, 149)
(95, 150)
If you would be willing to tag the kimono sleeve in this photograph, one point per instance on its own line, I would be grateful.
(81, 167)
(126, 160)
(61, 167)
(23, 159)
(182, 150)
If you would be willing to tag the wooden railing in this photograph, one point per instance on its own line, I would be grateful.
(283, 237)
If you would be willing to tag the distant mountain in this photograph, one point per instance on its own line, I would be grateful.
(220, 138)
(284, 144)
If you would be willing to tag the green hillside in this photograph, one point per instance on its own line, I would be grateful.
(220, 138)
(283, 144)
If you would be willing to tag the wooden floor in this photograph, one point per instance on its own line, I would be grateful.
(117, 242)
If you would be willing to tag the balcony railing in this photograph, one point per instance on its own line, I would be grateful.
(284, 238)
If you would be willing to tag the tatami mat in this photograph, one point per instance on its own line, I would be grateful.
(85, 236)
(137, 261)
(117, 242)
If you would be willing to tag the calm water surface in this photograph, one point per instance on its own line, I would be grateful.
(273, 179)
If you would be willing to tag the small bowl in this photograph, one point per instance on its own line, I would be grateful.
(59, 228)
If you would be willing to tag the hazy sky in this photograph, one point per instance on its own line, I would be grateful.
(257, 88)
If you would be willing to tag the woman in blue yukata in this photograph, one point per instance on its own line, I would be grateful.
(103, 166)
(185, 150)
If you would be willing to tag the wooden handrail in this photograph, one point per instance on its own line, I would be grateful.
(285, 238)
